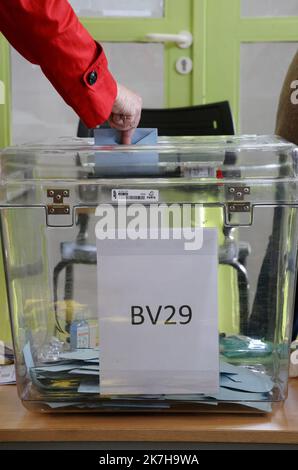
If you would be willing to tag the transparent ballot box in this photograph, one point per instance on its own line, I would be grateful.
(151, 278)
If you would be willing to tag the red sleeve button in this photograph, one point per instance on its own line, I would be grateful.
(92, 77)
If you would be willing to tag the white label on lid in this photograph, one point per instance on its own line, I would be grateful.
(158, 316)
(135, 195)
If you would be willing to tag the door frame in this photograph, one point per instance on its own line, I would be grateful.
(5, 108)
(226, 30)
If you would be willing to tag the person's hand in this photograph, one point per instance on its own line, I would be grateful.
(126, 113)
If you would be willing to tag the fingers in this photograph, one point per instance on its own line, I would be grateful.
(126, 113)
(127, 136)
(122, 122)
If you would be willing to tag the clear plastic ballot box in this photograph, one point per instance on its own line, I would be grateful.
(151, 278)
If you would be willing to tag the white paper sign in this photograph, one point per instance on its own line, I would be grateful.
(158, 316)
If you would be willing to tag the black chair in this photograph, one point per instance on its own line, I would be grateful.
(207, 119)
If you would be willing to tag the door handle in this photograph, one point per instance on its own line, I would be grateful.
(183, 39)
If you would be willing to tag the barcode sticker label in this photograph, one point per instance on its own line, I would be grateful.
(135, 195)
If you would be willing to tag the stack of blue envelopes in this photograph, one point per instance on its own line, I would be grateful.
(78, 372)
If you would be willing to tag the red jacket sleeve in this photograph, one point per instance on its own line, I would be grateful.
(48, 33)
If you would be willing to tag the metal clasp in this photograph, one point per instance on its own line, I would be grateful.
(57, 207)
(239, 192)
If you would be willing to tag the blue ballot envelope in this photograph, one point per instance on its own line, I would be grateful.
(125, 164)
(113, 137)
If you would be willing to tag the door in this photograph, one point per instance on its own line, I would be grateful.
(250, 45)
(147, 64)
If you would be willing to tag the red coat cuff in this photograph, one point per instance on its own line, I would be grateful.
(95, 94)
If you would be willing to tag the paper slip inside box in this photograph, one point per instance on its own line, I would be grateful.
(7, 374)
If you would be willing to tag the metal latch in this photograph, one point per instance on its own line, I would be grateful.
(239, 212)
(58, 210)
(239, 207)
(239, 192)
(58, 195)
(57, 207)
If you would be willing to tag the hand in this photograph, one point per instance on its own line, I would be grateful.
(126, 113)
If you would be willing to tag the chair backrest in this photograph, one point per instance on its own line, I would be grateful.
(208, 119)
